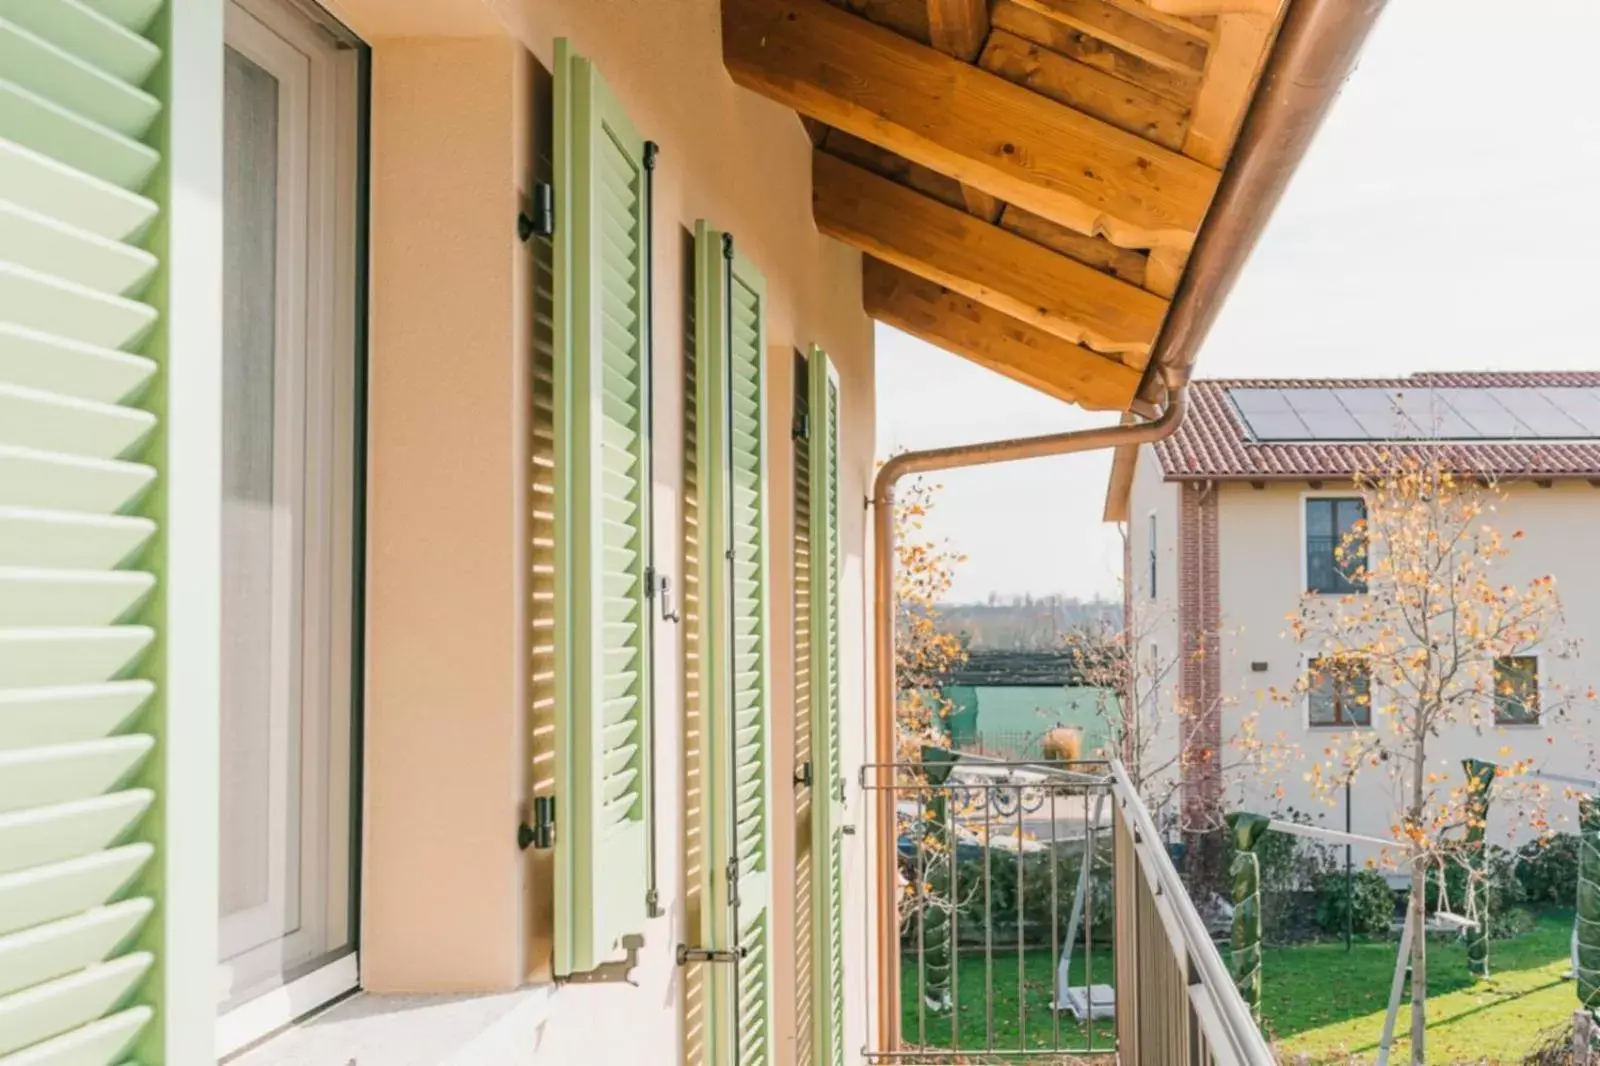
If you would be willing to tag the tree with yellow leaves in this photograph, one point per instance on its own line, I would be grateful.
(924, 655)
(1426, 639)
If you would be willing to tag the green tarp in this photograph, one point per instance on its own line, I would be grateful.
(1480, 780)
(1247, 829)
(1586, 961)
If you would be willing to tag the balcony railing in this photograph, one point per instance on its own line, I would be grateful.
(1040, 920)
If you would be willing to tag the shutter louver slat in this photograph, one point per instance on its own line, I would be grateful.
(602, 513)
(74, 165)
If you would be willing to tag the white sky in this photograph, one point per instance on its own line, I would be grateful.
(1447, 217)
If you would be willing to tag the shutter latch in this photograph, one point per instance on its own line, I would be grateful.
(687, 954)
(542, 221)
(542, 833)
(732, 873)
(661, 584)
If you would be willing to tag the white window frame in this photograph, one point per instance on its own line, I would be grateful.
(315, 419)
(1305, 538)
(1538, 691)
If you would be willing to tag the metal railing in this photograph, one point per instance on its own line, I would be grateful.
(1039, 920)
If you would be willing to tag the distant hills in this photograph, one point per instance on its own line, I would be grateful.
(1024, 623)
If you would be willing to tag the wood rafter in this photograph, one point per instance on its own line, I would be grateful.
(974, 126)
(989, 264)
(1217, 7)
(990, 338)
(958, 27)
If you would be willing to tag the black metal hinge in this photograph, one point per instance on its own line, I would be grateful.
(541, 222)
(651, 150)
(727, 246)
(542, 833)
(802, 427)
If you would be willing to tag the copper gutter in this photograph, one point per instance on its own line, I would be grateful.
(1315, 51)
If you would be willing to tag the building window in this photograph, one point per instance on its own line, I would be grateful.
(1336, 550)
(1151, 540)
(1339, 691)
(1516, 690)
(288, 406)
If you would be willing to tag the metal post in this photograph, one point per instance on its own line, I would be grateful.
(1349, 877)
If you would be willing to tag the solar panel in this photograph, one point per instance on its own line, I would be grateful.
(1419, 413)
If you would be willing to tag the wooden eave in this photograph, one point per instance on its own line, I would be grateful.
(1026, 179)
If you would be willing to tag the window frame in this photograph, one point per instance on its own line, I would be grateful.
(1307, 665)
(1536, 719)
(1306, 499)
(328, 583)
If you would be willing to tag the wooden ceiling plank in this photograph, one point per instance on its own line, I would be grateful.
(1176, 21)
(1178, 86)
(958, 27)
(1117, 26)
(974, 126)
(1094, 92)
(1243, 44)
(1104, 256)
(1217, 7)
(990, 338)
(987, 263)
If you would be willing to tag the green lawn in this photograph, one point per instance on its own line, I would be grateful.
(1031, 1025)
(1317, 1000)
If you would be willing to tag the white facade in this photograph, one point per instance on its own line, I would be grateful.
(1259, 582)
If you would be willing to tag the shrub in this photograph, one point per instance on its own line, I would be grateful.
(1373, 911)
(1547, 871)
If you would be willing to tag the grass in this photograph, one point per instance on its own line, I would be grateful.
(1019, 1008)
(1317, 1002)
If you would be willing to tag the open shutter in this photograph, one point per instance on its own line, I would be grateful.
(74, 315)
(827, 812)
(736, 645)
(602, 245)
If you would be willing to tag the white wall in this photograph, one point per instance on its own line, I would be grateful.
(1260, 579)
(1154, 621)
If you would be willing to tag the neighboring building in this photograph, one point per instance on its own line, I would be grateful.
(1235, 517)
(436, 473)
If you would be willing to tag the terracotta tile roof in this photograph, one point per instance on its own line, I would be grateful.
(1214, 443)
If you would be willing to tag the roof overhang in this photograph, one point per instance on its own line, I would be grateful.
(1063, 191)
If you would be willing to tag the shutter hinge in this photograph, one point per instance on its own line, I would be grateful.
(802, 427)
(802, 775)
(542, 221)
(732, 873)
(687, 954)
(652, 904)
(727, 246)
(649, 582)
(650, 150)
(542, 833)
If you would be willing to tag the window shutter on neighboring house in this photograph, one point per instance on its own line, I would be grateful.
(827, 822)
(602, 629)
(75, 418)
(735, 644)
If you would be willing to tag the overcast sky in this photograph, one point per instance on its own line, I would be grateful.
(1447, 217)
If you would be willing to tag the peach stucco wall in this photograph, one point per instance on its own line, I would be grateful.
(460, 90)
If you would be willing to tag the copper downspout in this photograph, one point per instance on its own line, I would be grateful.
(1316, 50)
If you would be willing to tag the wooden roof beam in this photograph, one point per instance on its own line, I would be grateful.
(958, 27)
(974, 126)
(989, 264)
(963, 326)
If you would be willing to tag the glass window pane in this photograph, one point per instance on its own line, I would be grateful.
(250, 508)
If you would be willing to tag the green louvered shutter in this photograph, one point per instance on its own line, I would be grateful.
(736, 645)
(827, 818)
(75, 161)
(602, 510)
